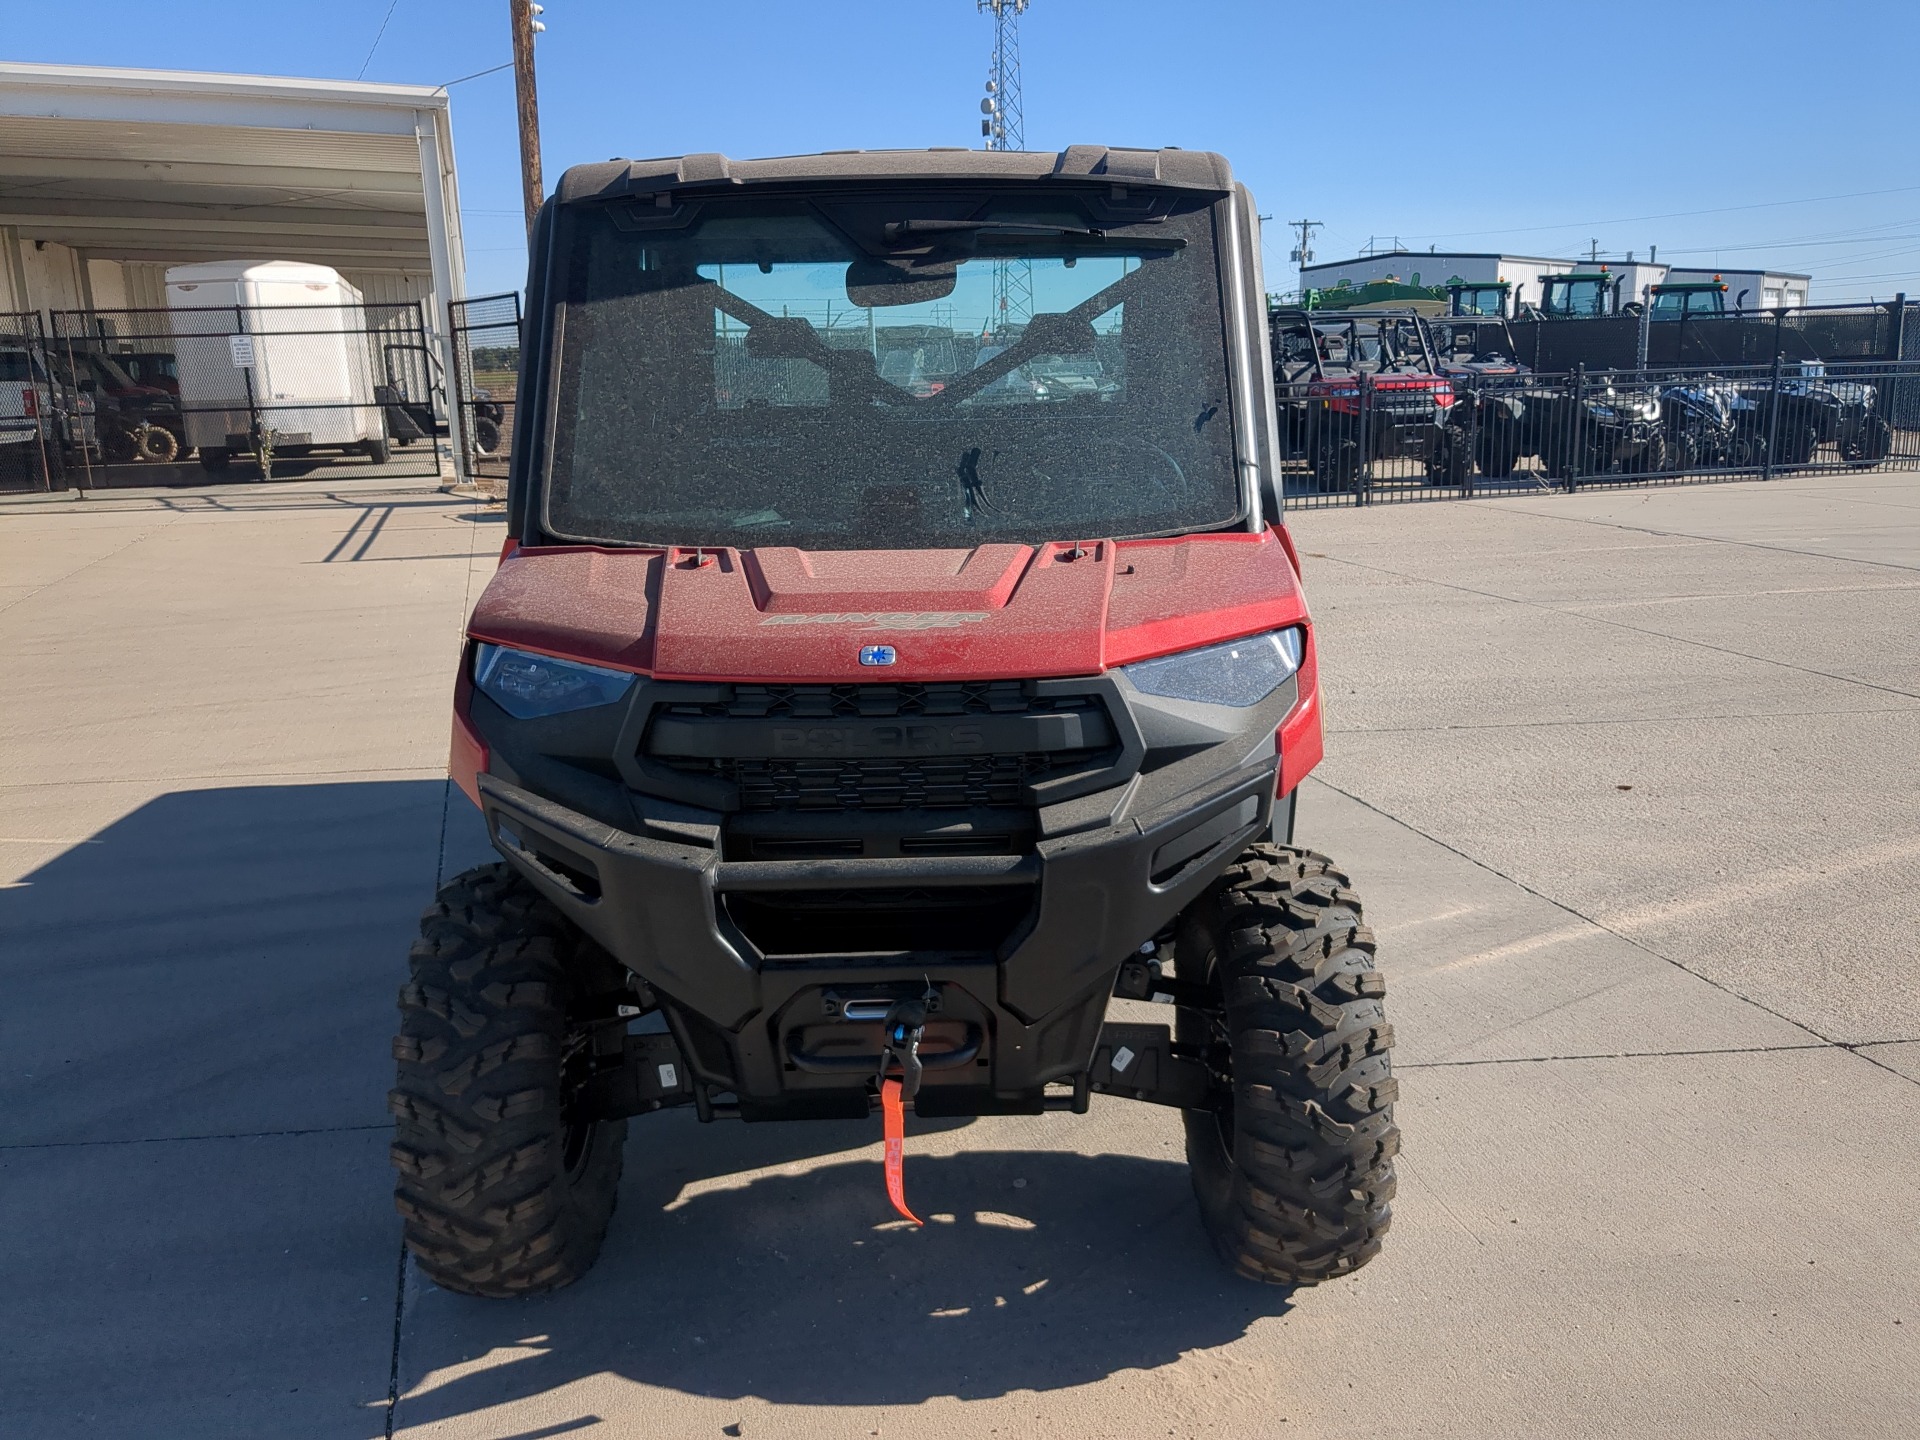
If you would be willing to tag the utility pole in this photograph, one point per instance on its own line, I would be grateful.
(1593, 252)
(527, 100)
(1303, 252)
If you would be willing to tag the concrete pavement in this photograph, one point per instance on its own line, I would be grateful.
(1628, 782)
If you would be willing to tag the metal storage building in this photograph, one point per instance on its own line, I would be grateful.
(1750, 289)
(1412, 267)
(107, 176)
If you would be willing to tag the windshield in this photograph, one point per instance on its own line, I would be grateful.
(820, 374)
(1576, 297)
(1469, 342)
(1673, 304)
(1481, 300)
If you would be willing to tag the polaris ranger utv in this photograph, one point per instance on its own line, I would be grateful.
(1356, 386)
(873, 736)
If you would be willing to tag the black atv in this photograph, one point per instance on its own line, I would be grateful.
(1476, 355)
(1817, 409)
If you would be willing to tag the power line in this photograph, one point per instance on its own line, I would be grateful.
(1782, 244)
(1668, 215)
(391, 7)
(503, 65)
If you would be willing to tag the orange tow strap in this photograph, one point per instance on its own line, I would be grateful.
(894, 1114)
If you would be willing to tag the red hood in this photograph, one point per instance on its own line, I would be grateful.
(995, 612)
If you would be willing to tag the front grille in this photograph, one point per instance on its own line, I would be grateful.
(880, 702)
(835, 748)
(934, 783)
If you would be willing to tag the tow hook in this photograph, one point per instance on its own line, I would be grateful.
(905, 1025)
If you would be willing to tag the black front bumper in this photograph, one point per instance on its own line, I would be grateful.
(1107, 872)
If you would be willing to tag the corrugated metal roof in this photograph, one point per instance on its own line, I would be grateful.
(224, 145)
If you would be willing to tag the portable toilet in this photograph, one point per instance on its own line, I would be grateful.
(280, 342)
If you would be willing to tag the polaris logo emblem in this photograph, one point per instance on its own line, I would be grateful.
(878, 655)
(887, 620)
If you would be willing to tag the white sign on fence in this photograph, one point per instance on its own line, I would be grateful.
(242, 348)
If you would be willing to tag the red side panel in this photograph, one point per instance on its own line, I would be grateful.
(467, 758)
(1286, 543)
(1300, 739)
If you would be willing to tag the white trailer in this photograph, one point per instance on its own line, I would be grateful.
(273, 350)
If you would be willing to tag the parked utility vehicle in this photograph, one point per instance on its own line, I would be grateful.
(1475, 352)
(1359, 386)
(874, 738)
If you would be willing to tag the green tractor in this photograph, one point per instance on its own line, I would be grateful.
(1579, 295)
(1479, 297)
(1689, 300)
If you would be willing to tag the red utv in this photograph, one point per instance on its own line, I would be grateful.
(850, 745)
(1357, 386)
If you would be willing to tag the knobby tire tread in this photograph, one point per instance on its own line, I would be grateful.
(1301, 1191)
(480, 1138)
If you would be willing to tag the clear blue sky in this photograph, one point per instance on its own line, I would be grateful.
(1725, 133)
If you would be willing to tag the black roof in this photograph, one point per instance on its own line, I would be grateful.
(1157, 169)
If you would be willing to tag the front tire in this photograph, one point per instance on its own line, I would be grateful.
(1871, 442)
(504, 1191)
(1293, 1166)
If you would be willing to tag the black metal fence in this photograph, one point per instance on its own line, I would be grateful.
(486, 372)
(255, 392)
(1376, 439)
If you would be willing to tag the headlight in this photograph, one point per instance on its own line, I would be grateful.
(528, 686)
(1239, 673)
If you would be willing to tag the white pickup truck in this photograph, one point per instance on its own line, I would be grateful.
(41, 422)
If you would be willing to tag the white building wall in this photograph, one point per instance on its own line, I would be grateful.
(1765, 288)
(56, 276)
(107, 281)
(40, 275)
(1523, 272)
(1637, 277)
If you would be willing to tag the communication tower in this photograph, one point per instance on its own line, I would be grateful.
(1003, 125)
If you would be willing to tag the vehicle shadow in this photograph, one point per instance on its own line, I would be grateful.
(193, 1127)
(410, 464)
(795, 1284)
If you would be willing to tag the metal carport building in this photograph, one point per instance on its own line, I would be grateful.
(109, 176)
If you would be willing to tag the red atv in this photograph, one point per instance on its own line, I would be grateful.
(850, 744)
